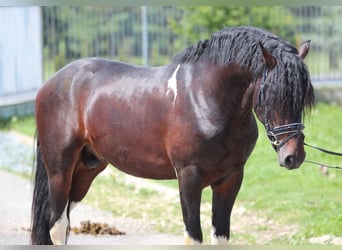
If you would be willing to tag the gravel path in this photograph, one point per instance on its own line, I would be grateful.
(15, 206)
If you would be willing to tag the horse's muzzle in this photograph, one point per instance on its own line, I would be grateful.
(292, 155)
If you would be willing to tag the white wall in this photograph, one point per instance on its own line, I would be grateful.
(20, 49)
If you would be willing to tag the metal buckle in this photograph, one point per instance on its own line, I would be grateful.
(292, 129)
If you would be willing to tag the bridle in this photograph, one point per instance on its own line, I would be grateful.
(292, 129)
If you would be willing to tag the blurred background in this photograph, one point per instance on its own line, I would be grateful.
(274, 205)
(37, 41)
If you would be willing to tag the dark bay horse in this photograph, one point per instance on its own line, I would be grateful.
(192, 120)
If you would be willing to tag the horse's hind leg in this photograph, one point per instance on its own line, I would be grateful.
(70, 190)
(60, 180)
(190, 188)
(224, 195)
(51, 208)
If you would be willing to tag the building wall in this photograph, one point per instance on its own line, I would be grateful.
(21, 66)
(20, 49)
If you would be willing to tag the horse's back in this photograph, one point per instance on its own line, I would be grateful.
(89, 78)
(113, 107)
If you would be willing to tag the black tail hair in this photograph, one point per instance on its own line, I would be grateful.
(40, 211)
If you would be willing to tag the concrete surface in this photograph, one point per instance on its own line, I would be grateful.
(15, 209)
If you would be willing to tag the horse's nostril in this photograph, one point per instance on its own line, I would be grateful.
(289, 160)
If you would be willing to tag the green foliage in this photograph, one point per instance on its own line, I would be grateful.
(115, 33)
(325, 26)
(198, 22)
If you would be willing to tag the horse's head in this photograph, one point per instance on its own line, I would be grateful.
(283, 93)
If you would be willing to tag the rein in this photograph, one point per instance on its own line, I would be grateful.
(323, 165)
(324, 151)
(294, 129)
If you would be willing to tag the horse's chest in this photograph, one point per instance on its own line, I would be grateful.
(234, 142)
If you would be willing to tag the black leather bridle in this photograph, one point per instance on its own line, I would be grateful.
(292, 129)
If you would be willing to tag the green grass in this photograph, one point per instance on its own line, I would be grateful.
(25, 125)
(304, 197)
(110, 193)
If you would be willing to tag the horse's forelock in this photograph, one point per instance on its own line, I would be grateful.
(290, 91)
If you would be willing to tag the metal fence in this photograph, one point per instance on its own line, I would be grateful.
(153, 35)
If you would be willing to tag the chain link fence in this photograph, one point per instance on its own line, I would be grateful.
(153, 35)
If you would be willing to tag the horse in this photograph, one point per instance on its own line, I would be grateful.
(193, 120)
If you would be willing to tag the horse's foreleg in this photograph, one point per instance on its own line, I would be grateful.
(190, 189)
(224, 195)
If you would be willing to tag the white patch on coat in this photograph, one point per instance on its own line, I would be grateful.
(204, 115)
(59, 230)
(217, 240)
(188, 240)
(172, 84)
(176, 172)
(73, 204)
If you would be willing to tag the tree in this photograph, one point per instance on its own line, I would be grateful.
(198, 22)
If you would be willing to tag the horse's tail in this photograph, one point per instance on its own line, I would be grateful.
(40, 213)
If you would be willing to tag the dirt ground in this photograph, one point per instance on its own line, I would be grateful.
(15, 220)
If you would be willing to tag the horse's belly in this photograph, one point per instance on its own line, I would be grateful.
(136, 155)
(145, 167)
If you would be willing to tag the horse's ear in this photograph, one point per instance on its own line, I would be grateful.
(270, 61)
(304, 49)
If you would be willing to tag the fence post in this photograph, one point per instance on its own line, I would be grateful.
(144, 35)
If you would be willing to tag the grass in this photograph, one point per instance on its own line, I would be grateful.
(304, 197)
(25, 125)
(110, 193)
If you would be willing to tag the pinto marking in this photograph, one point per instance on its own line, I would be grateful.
(172, 84)
(188, 240)
(59, 230)
(203, 113)
(217, 240)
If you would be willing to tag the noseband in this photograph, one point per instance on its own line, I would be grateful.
(292, 129)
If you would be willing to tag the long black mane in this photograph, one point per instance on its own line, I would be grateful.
(288, 88)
